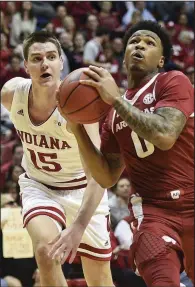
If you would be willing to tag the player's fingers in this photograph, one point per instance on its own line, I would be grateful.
(54, 248)
(73, 255)
(59, 251)
(55, 239)
(99, 70)
(92, 75)
(65, 255)
(89, 83)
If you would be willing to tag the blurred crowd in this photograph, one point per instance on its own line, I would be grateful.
(89, 33)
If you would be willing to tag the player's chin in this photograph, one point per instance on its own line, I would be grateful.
(136, 67)
(47, 82)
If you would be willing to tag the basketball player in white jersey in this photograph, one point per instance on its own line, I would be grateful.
(54, 189)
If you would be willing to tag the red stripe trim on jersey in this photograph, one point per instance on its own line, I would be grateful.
(93, 257)
(62, 187)
(44, 213)
(66, 188)
(74, 180)
(52, 208)
(95, 250)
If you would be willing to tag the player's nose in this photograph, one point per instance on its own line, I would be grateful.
(140, 46)
(44, 64)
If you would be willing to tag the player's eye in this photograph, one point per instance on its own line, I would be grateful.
(36, 59)
(133, 41)
(52, 57)
(151, 43)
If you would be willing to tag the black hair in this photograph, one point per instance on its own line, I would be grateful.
(155, 28)
(101, 30)
(41, 37)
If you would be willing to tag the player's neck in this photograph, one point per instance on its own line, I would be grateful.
(42, 96)
(136, 80)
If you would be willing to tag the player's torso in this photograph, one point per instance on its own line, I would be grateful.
(51, 153)
(147, 164)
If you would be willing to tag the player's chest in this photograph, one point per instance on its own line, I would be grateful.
(128, 139)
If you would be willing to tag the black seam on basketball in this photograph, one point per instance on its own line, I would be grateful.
(83, 107)
(70, 95)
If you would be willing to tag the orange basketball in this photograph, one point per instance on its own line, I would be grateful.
(81, 104)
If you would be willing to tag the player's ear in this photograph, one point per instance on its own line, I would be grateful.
(161, 62)
(26, 67)
(61, 63)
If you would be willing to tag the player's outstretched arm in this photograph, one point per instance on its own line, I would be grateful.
(7, 92)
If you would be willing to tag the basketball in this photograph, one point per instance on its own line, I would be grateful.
(79, 103)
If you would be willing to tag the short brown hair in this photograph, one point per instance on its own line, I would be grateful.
(41, 37)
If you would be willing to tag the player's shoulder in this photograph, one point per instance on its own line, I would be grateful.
(16, 82)
(10, 88)
(172, 78)
(172, 75)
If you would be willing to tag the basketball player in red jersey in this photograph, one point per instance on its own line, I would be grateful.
(150, 132)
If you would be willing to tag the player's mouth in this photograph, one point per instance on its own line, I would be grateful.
(46, 76)
(138, 56)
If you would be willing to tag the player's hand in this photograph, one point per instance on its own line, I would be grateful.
(70, 125)
(102, 80)
(66, 243)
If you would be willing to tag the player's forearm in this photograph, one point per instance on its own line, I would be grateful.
(91, 199)
(151, 127)
(96, 162)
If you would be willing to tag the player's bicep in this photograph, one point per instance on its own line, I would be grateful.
(116, 165)
(175, 120)
(7, 92)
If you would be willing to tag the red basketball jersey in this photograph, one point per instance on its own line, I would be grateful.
(152, 171)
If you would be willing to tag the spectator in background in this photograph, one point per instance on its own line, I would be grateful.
(94, 48)
(5, 52)
(6, 125)
(79, 43)
(12, 188)
(140, 6)
(58, 20)
(79, 10)
(17, 154)
(117, 46)
(50, 28)
(14, 172)
(108, 18)
(14, 69)
(119, 203)
(114, 63)
(7, 15)
(90, 27)
(23, 22)
(69, 25)
(136, 17)
(67, 48)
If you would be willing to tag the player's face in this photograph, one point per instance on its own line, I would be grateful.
(144, 52)
(44, 64)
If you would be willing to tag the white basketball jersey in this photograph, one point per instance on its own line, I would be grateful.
(51, 154)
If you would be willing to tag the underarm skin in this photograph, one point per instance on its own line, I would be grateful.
(165, 122)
